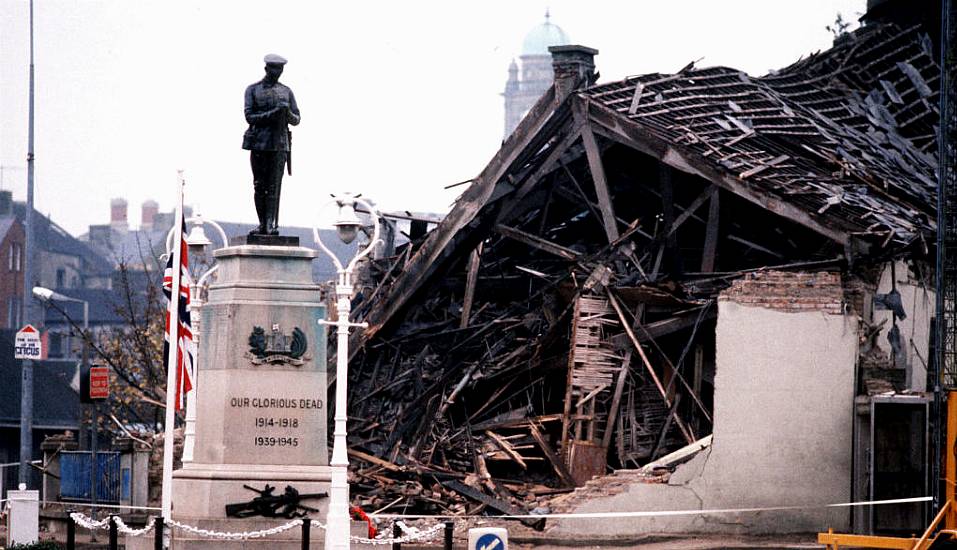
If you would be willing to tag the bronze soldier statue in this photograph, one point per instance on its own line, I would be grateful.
(270, 109)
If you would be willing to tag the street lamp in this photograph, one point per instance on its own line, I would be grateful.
(47, 296)
(197, 242)
(196, 239)
(347, 226)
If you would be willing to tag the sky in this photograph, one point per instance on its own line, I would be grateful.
(398, 99)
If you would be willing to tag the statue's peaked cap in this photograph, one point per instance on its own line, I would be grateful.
(273, 58)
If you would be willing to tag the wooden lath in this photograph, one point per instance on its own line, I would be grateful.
(594, 366)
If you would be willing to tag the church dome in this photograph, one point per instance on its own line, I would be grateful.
(541, 37)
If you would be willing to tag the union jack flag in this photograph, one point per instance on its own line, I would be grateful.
(184, 338)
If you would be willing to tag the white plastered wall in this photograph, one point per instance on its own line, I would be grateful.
(784, 391)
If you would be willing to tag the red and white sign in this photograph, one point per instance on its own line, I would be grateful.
(27, 344)
(99, 382)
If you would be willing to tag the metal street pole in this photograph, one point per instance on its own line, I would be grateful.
(337, 519)
(26, 381)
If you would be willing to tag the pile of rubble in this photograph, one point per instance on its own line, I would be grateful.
(559, 323)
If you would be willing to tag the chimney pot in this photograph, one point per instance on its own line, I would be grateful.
(149, 211)
(118, 214)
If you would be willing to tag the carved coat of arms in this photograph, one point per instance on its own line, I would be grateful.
(276, 348)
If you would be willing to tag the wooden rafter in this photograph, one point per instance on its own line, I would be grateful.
(609, 124)
(601, 183)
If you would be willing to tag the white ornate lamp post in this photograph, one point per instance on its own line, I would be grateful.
(347, 226)
(197, 241)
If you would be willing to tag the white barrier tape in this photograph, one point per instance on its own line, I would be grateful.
(235, 535)
(663, 513)
(104, 506)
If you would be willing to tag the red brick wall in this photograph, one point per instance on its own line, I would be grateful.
(11, 282)
(787, 291)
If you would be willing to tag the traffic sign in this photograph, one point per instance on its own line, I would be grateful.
(488, 538)
(99, 382)
(27, 344)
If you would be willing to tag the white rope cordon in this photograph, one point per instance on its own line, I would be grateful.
(122, 527)
(411, 535)
(88, 522)
(234, 535)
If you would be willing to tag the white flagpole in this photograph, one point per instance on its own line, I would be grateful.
(171, 370)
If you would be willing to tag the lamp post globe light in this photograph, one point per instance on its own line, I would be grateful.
(197, 242)
(347, 226)
(47, 295)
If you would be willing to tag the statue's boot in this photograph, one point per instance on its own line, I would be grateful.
(269, 227)
(261, 213)
(274, 215)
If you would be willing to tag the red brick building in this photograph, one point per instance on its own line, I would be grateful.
(12, 238)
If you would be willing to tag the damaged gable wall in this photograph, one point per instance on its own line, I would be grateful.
(786, 355)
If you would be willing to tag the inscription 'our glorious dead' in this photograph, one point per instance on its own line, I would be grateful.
(275, 403)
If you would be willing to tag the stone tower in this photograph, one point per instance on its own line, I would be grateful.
(528, 81)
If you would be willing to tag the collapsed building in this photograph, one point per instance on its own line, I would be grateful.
(716, 287)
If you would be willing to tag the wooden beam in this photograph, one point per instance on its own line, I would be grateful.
(626, 131)
(616, 400)
(493, 502)
(755, 246)
(670, 248)
(507, 449)
(681, 321)
(711, 235)
(672, 415)
(647, 363)
(581, 195)
(557, 463)
(517, 204)
(471, 278)
(601, 183)
(679, 455)
(537, 242)
(689, 211)
(375, 460)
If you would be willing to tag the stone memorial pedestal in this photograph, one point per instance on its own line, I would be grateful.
(261, 395)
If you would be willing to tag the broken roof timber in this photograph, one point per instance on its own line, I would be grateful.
(527, 139)
(610, 125)
(801, 143)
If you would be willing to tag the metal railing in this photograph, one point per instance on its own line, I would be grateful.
(76, 472)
